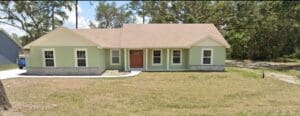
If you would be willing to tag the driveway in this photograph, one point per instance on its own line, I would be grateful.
(16, 73)
(11, 73)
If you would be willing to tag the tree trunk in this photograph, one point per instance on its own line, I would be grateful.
(52, 16)
(76, 10)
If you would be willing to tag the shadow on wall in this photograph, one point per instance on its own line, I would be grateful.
(4, 102)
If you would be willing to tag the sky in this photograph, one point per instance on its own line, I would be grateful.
(86, 13)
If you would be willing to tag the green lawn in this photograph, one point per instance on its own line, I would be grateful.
(7, 66)
(235, 92)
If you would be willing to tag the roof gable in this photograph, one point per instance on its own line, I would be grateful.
(61, 37)
(210, 41)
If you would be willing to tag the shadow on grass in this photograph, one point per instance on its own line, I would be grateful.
(4, 102)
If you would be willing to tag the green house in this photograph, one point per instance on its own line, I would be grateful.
(145, 47)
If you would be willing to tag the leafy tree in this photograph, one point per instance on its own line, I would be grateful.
(110, 16)
(33, 17)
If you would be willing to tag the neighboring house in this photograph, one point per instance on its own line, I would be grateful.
(9, 49)
(146, 47)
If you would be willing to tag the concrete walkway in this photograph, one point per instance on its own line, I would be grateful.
(16, 73)
(283, 77)
(279, 76)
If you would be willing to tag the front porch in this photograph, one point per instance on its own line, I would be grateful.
(155, 59)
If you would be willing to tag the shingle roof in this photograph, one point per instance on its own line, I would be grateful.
(168, 35)
(107, 38)
(152, 35)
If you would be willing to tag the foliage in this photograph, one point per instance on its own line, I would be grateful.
(110, 16)
(297, 53)
(33, 17)
(259, 30)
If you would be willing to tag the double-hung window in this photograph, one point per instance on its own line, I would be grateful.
(115, 56)
(206, 56)
(176, 57)
(49, 58)
(81, 57)
(156, 57)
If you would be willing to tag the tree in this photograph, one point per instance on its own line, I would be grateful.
(76, 11)
(110, 16)
(57, 9)
(33, 17)
(259, 30)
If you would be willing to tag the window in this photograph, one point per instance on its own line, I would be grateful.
(156, 57)
(115, 57)
(176, 57)
(49, 58)
(81, 58)
(206, 56)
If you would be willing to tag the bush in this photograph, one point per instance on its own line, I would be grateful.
(297, 53)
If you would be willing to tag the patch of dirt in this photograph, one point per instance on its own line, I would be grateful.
(265, 64)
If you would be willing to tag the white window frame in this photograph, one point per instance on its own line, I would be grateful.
(76, 59)
(111, 57)
(211, 56)
(161, 60)
(44, 59)
(172, 55)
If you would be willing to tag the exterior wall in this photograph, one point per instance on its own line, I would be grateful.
(9, 50)
(113, 66)
(65, 61)
(148, 66)
(218, 60)
(99, 60)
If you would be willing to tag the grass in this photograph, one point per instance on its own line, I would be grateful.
(7, 66)
(235, 92)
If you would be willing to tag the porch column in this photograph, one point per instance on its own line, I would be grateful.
(146, 60)
(168, 58)
(125, 60)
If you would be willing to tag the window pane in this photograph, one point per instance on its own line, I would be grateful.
(206, 61)
(115, 53)
(156, 60)
(176, 53)
(48, 54)
(176, 60)
(49, 63)
(156, 53)
(80, 54)
(207, 53)
(115, 60)
(81, 62)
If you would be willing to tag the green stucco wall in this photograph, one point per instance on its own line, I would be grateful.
(108, 60)
(65, 57)
(196, 55)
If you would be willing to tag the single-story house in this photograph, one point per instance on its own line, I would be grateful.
(9, 49)
(146, 47)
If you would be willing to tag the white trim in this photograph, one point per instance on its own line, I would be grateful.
(180, 57)
(146, 59)
(152, 57)
(168, 59)
(44, 59)
(86, 56)
(211, 57)
(111, 63)
(125, 62)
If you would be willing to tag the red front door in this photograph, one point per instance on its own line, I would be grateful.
(136, 58)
